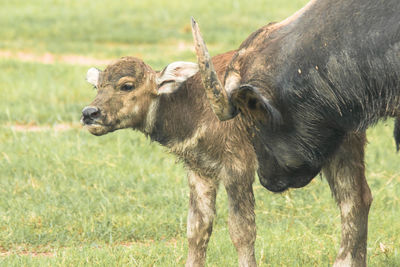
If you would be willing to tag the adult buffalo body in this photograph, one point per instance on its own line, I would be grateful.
(295, 99)
(311, 85)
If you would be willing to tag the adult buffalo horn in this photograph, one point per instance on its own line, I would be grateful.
(215, 92)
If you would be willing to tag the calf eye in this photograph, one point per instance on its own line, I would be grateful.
(127, 87)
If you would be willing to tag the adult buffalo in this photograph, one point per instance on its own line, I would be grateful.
(311, 85)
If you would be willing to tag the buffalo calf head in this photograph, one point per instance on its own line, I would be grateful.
(125, 91)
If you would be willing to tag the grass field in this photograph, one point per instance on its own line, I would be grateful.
(68, 198)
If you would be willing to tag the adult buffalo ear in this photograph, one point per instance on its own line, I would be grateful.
(253, 104)
(173, 75)
(92, 76)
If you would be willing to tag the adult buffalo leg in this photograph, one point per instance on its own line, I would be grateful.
(242, 225)
(346, 178)
(203, 191)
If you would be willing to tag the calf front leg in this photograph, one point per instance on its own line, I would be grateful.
(203, 191)
(346, 178)
(242, 225)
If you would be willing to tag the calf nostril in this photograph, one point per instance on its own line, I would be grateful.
(95, 114)
(91, 112)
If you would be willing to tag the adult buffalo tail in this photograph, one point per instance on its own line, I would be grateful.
(397, 133)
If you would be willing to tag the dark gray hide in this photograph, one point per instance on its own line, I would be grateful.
(331, 69)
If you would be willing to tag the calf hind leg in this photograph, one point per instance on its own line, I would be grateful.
(346, 178)
(241, 221)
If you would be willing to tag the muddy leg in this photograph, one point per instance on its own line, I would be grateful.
(203, 191)
(346, 178)
(242, 225)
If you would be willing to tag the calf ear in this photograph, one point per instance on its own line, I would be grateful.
(173, 75)
(92, 76)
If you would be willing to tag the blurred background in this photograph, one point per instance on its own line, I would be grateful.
(68, 198)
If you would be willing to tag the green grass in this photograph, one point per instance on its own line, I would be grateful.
(103, 28)
(42, 94)
(120, 199)
(68, 198)
(65, 184)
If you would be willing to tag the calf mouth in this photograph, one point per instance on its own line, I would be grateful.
(96, 127)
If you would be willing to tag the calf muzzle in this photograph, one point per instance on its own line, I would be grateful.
(90, 114)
